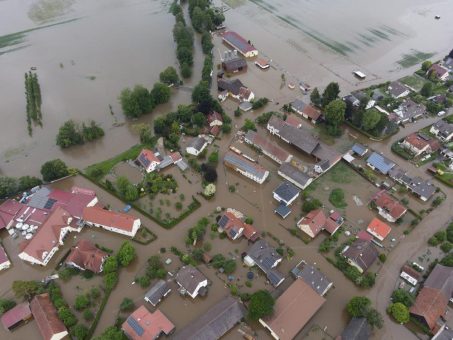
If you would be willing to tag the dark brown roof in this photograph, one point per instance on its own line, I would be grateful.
(430, 305)
(46, 316)
(85, 255)
(361, 252)
(189, 277)
(357, 329)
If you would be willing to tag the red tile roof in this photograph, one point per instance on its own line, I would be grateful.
(294, 121)
(175, 156)
(311, 112)
(238, 41)
(3, 256)
(8, 210)
(149, 155)
(72, 202)
(420, 143)
(315, 220)
(392, 206)
(363, 235)
(215, 130)
(109, 218)
(46, 316)
(87, 256)
(236, 224)
(430, 305)
(16, 314)
(152, 324)
(379, 228)
(214, 116)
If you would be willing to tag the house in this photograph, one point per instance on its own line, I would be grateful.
(322, 166)
(215, 322)
(409, 111)
(294, 176)
(359, 149)
(283, 210)
(442, 130)
(232, 63)
(418, 143)
(440, 72)
(351, 100)
(245, 106)
(267, 147)
(292, 311)
(316, 221)
(262, 63)
(286, 193)
(357, 329)
(363, 235)
(191, 281)
(16, 316)
(245, 167)
(388, 207)
(432, 300)
(5, 263)
(313, 277)
(444, 333)
(144, 325)
(234, 227)
(423, 189)
(377, 95)
(215, 119)
(148, 160)
(49, 237)
(157, 292)
(115, 221)
(307, 111)
(266, 258)
(86, 256)
(196, 146)
(377, 161)
(294, 121)
(410, 275)
(361, 254)
(240, 44)
(398, 90)
(46, 317)
(378, 229)
(235, 89)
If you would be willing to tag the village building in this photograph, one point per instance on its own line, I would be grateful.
(262, 63)
(157, 292)
(114, 221)
(432, 300)
(46, 317)
(313, 277)
(144, 325)
(422, 189)
(410, 275)
(267, 147)
(86, 256)
(322, 166)
(351, 100)
(215, 322)
(379, 162)
(240, 44)
(191, 281)
(16, 316)
(378, 229)
(306, 110)
(316, 221)
(245, 167)
(398, 90)
(418, 143)
(388, 207)
(442, 130)
(361, 254)
(266, 258)
(245, 106)
(409, 111)
(196, 146)
(235, 89)
(148, 160)
(294, 176)
(232, 63)
(357, 329)
(359, 149)
(294, 121)
(286, 193)
(292, 311)
(5, 263)
(234, 227)
(215, 119)
(440, 71)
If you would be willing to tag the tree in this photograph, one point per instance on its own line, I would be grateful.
(81, 302)
(65, 315)
(110, 280)
(403, 296)
(330, 93)
(88, 315)
(186, 71)
(53, 170)
(248, 125)
(169, 76)
(111, 264)
(136, 102)
(209, 173)
(199, 119)
(8, 186)
(80, 332)
(261, 305)
(201, 95)
(160, 93)
(399, 312)
(229, 266)
(310, 205)
(427, 89)
(374, 318)
(206, 42)
(315, 97)
(334, 112)
(358, 306)
(6, 305)
(26, 289)
(127, 305)
(112, 333)
(69, 135)
(213, 158)
(126, 254)
(126, 189)
(370, 119)
(27, 182)
(426, 65)
(92, 131)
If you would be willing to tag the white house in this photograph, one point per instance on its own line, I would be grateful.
(245, 167)
(4, 260)
(114, 221)
(148, 160)
(286, 193)
(442, 130)
(196, 146)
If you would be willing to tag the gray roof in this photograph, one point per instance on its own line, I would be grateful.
(287, 191)
(324, 164)
(283, 210)
(422, 188)
(351, 99)
(189, 277)
(362, 252)
(40, 199)
(157, 292)
(265, 258)
(245, 106)
(357, 329)
(441, 278)
(445, 128)
(377, 95)
(215, 323)
(381, 163)
(396, 88)
(166, 161)
(312, 276)
(293, 173)
(234, 64)
(444, 334)
(244, 164)
(359, 149)
(182, 165)
(232, 86)
(197, 143)
(301, 138)
(410, 109)
(298, 105)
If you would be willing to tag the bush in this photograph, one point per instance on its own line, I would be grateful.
(336, 197)
(126, 254)
(311, 204)
(402, 296)
(446, 247)
(68, 318)
(382, 257)
(229, 266)
(261, 305)
(259, 103)
(53, 170)
(399, 312)
(111, 264)
(358, 306)
(80, 332)
(6, 305)
(81, 302)
(88, 315)
(111, 280)
(127, 305)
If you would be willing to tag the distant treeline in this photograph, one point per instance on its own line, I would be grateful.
(33, 97)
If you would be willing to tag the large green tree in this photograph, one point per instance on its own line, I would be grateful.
(399, 312)
(169, 76)
(261, 304)
(126, 254)
(334, 113)
(53, 170)
(69, 134)
(358, 306)
(427, 89)
(370, 119)
(112, 333)
(330, 93)
(315, 97)
(160, 93)
(136, 102)
(403, 296)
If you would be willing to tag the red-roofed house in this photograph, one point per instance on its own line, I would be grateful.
(240, 44)
(214, 131)
(316, 221)
(8, 210)
(234, 227)
(440, 71)
(117, 222)
(4, 260)
(215, 119)
(16, 316)
(46, 317)
(363, 235)
(378, 229)
(307, 111)
(388, 207)
(418, 144)
(86, 256)
(143, 325)
(294, 121)
(49, 237)
(148, 160)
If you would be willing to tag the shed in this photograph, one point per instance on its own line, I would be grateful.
(160, 290)
(16, 316)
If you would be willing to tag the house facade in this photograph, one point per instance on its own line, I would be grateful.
(148, 160)
(5, 263)
(114, 221)
(196, 146)
(245, 167)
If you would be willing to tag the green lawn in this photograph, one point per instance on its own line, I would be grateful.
(416, 82)
(336, 197)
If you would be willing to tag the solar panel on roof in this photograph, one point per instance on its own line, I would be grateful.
(223, 221)
(273, 277)
(145, 161)
(135, 326)
(267, 263)
(49, 204)
(233, 233)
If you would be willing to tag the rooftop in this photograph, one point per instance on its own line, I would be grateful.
(297, 176)
(46, 317)
(244, 164)
(87, 256)
(146, 157)
(197, 143)
(145, 325)
(390, 205)
(359, 149)
(312, 277)
(361, 252)
(267, 146)
(157, 292)
(303, 108)
(113, 219)
(380, 162)
(189, 277)
(237, 41)
(287, 191)
(357, 329)
(397, 89)
(379, 228)
(15, 315)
